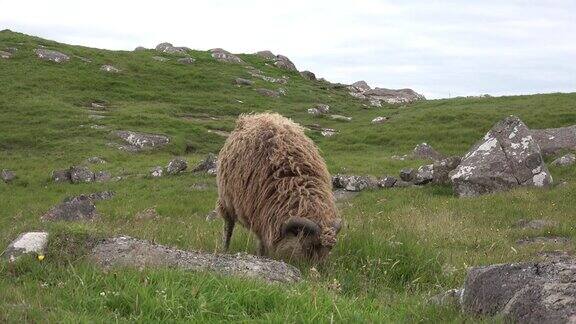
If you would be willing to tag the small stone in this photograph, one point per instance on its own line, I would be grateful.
(208, 165)
(29, 242)
(451, 297)
(328, 132)
(147, 214)
(407, 174)
(102, 195)
(7, 175)
(387, 182)
(245, 82)
(268, 93)
(424, 174)
(566, 160)
(160, 58)
(95, 160)
(176, 166)
(110, 68)
(380, 120)
(157, 172)
(341, 118)
(79, 174)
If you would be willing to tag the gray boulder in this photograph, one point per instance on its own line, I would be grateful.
(554, 140)
(186, 60)
(80, 174)
(126, 251)
(225, 56)
(79, 208)
(360, 86)
(176, 165)
(284, 63)
(5, 55)
(387, 182)
(26, 243)
(354, 182)
(171, 49)
(243, 82)
(507, 157)
(208, 165)
(268, 93)
(7, 175)
(531, 292)
(566, 160)
(426, 151)
(141, 141)
(308, 75)
(53, 56)
(110, 68)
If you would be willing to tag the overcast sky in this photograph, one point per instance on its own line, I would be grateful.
(438, 48)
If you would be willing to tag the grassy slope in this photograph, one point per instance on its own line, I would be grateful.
(400, 246)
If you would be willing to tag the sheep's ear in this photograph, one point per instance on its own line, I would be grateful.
(337, 224)
(297, 225)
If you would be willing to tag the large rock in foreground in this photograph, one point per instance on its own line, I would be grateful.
(541, 292)
(125, 251)
(553, 140)
(505, 158)
(141, 141)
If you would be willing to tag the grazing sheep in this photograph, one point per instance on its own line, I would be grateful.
(272, 179)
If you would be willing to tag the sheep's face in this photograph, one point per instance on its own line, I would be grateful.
(304, 240)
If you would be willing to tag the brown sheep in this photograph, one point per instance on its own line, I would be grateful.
(272, 179)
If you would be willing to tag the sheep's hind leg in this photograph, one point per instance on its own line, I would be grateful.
(228, 230)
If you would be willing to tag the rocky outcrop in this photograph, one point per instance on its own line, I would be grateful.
(377, 96)
(126, 251)
(50, 55)
(505, 158)
(531, 292)
(554, 140)
(225, 56)
(284, 63)
(141, 141)
(171, 49)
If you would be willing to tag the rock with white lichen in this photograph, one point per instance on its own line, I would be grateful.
(26, 243)
(507, 157)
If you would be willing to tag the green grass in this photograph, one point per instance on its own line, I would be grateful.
(397, 249)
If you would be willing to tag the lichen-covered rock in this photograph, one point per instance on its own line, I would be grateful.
(566, 160)
(109, 68)
(125, 251)
(424, 174)
(354, 182)
(380, 120)
(176, 165)
(308, 75)
(319, 109)
(243, 82)
(531, 292)
(80, 174)
(268, 93)
(387, 182)
(141, 141)
(443, 168)
(29, 242)
(50, 55)
(426, 151)
(80, 208)
(328, 132)
(208, 165)
(505, 158)
(407, 174)
(554, 140)
(360, 86)
(7, 175)
(225, 56)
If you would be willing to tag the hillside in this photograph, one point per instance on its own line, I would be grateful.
(399, 247)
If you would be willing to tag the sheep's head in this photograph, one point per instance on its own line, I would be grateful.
(302, 239)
